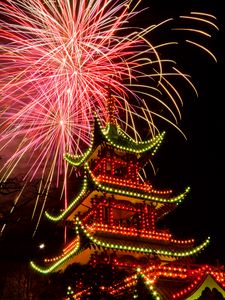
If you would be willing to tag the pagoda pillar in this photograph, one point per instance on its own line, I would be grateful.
(143, 216)
(151, 217)
(111, 220)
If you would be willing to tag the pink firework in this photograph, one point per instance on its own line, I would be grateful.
(59, 59)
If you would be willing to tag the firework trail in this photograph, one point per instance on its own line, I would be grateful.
(59, 60)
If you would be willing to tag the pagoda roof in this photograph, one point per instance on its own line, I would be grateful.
(52, 265)
(116, 242)
(134, 192)
(194, 290)
(91, 183)
(115, 136)
(82, 193)
(141, 245)
(175, 281)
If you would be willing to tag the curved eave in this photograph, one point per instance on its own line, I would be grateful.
(72, 205)
(78, 160)
(58, 263)
(115, 189)
(165, 209)
(117, 138)
(146, 250)
(195, 289)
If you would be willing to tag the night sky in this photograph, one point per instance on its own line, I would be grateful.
(198, 161)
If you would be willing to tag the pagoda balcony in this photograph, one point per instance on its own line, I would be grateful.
(129, 231)
(115, 168)
(124, 182)
(130, 184)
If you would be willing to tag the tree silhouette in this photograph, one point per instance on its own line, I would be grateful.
(213, 294)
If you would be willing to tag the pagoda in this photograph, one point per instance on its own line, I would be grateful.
(115, 216)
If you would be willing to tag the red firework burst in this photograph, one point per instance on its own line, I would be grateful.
(59, 59)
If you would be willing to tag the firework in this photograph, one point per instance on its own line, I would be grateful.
(59, 60)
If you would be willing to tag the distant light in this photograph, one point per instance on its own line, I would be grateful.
(41, 246)
(61, 122)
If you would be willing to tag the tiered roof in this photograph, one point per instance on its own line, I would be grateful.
(114, 136)
(132, 191)
(150, 243)
(164, 201)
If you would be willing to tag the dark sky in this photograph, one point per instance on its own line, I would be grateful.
(198, 161)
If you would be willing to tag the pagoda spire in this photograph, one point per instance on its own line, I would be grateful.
(111, 108)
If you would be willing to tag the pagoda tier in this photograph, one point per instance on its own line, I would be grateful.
(118, 173)
(123, 245)
(115, 137)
